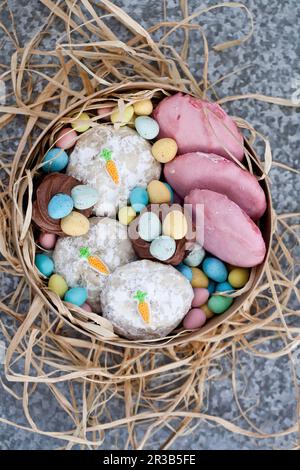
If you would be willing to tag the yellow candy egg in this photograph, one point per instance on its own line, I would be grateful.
(126, 215)
(199, 279)
(58, 285)
(158, 192)
(164, 150)
(238, 277)
(75, 224)
(143, 108)
(175, 225)
(207, 311)
(131, 123)
(122, 118)
(80, 124)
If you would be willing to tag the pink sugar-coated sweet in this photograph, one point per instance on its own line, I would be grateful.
(229, 233)
(47, 240)
(86, 306)
(66, 138)
(209, 171)
(194, 319)
(200, 296)
(105, 112)
(198, 126)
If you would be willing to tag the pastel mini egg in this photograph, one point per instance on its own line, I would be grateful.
(211, 286)
(201, 296)
(105, 112)
(149, 226)
(194, 319)
(208, 313)
(163, 248)
(139, 198)
(199, 279)
(147, 127)
(175, 225)
(44, 264)
(219, 304)
(185, 270)
(122, 118)
(131, 122)
(81, 123)
(215, 269)
(171, 191)
(238, 277)
(126, 215)
(84, 196)
(76, 296)
(143, 107)
(75, 224)
(60, 206)
(164, 150)
(66, 138)
(224, 287)
(58, 285)
(86, 306)
(56, 159)
(47, 240)
(195, 256)
(158, 192)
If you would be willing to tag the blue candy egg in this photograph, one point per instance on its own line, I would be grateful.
(147, 127)
(76, 296)
(195, 255)
(55, 159)
(215, 269)
(163, 248)
(224, 287)
(211, 286)
(139, 198)
(60, 206)
(149, 226)
(171, 192)
(185, 270)
(44, 264)
(84, 196)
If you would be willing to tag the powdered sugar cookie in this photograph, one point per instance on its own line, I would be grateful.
(87, 261)
(113, 162)
(146, 299)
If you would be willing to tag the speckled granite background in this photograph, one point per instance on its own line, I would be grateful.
(273, 54)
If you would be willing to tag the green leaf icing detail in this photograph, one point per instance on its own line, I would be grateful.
(106, 154)
(140, 296)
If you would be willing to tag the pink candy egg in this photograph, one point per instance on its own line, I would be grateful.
(105, 112)
(194, 319)
(47, 240)
(66, 138)
(86, 307)
(200, 296)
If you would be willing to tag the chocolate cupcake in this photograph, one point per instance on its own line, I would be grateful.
(52, 184)
(142, 247)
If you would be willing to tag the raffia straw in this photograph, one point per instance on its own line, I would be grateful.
(160, 384)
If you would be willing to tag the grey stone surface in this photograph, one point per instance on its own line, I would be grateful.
(273, 55)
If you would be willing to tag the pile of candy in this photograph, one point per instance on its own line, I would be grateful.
(119, 162)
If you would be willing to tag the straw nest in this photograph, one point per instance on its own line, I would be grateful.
(162, 383)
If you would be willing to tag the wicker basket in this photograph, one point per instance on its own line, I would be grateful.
(128, 93)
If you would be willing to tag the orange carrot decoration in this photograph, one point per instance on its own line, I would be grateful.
(94, 261)
(110, 165)
(143, 307)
